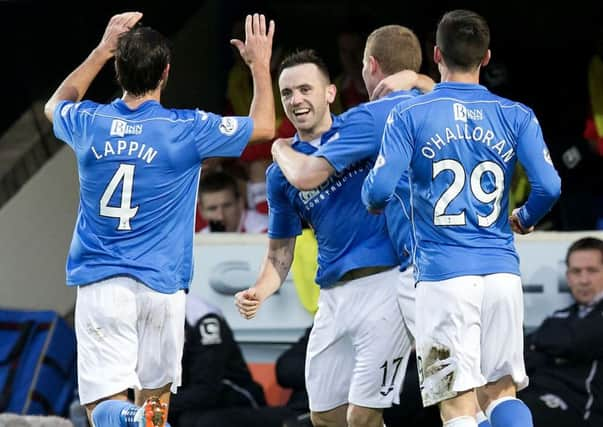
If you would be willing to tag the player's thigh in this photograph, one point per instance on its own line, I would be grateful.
(448, 316)
(381, 341)
(407, 298)
(107, 339)
(161, 338)
(502, 316)
(329, 357)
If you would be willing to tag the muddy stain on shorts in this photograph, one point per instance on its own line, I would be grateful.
(437, 371)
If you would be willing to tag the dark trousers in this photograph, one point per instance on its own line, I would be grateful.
(265, 416)
(547, 411)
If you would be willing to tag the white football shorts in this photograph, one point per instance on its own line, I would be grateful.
(128, 336)
(469, 332)
(359, 346)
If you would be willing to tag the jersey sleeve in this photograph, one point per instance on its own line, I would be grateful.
(358, 138)
(69, 120)
(283, 220)
(221, 136)
(545, 184)
(393, 160)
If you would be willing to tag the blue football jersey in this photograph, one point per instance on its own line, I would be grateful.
(348, 236)
(139, 172)
(462, 143)
(341, 155)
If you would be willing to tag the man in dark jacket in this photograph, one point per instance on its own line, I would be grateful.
(217, 388)
(214, 373)
(564, 353)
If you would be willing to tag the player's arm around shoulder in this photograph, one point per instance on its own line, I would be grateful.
(303, 171)
(403, 80)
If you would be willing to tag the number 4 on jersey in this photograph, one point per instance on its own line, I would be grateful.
(124, 212)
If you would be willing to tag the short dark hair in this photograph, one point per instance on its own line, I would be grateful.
(585, 244)
(306, 56)
(463, 38)
(213, 182)
(140, 59)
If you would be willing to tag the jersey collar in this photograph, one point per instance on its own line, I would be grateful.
(324, 138)
(459, 86)
(122, 107)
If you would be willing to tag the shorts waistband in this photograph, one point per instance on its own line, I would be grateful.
(358, 273)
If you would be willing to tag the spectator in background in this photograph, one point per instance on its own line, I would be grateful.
(563, 354)
(217, 387)
(221, 204)
(214, 373)
(351, 90)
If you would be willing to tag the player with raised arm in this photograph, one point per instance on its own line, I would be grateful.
(131, 254)
(461, 143)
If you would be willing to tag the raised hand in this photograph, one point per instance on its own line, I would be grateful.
(117, 25)
(257, 48)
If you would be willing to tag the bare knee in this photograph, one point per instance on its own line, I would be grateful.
(359, 416)
(504, 387)
(333, 418)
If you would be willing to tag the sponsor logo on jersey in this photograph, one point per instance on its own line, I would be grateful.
(547, 156)
(66, 109)
(228, 125)
(461, 113)
(379, 162)
(313, 197)
(335, 137)
(122, 128)
(390, 118)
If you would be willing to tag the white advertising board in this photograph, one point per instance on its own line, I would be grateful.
(225, 263)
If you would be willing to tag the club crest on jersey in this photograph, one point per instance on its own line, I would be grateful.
(122, 128)
(461, 113)
(228, 125)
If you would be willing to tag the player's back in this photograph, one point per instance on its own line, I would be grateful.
(344, 153)
(139, 172)
(466, 143)
(398, 209)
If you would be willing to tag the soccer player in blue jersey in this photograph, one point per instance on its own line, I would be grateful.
(462, 143)
(359, 346)
(131, 254)
(392, 55)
